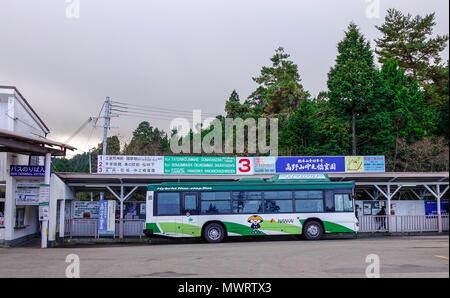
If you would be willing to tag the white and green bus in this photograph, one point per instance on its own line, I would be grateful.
(308, 204)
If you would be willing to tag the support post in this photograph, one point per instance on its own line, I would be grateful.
(62, 217)
(105, 130)
(44, 227)
(121, 199)
(439, 209)
(121, 213)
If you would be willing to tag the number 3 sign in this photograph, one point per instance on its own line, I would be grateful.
(244, 166)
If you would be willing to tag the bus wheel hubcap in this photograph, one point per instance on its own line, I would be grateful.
(313, 230)
(214, 234)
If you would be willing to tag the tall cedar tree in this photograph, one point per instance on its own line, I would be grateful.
(408, 40)
(280, 91)
(351, 81)
(396, 111)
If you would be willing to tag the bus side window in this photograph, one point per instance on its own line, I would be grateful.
(329, 201)
(168, 203)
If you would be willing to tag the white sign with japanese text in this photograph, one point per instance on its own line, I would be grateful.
(130, 164)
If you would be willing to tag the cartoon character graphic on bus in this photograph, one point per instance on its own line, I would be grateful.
(255, 221)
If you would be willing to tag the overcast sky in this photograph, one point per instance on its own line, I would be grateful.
(180, 55)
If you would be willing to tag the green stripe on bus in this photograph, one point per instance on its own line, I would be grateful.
(332, 227)
(241, 229)
(336, 228)
(280, 227)
(152, 226)
(180, 228)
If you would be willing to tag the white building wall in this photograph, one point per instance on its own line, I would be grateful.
(24, 122)
(17, 116)
(400, 207)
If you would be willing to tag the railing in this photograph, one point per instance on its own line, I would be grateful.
(89, 228)
(402, 223)
(131, 227)
(395, 223)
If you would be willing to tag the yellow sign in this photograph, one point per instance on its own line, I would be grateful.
(354, 164)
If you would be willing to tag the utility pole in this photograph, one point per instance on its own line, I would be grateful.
(106, 125)
(105, 129)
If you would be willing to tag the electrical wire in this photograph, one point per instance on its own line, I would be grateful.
(155, 109)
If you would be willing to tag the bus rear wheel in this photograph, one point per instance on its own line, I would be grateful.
(313, 230)
(214, 233)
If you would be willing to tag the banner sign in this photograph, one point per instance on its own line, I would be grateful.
(200, 165)
(26, 171)
(27, 193)
(265, 165)
(212, 165)
(306, 164)
(106, 217)
(130, 164)
(44, 202)
(374, 164)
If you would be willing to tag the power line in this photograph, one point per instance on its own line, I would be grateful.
(145, 116)
(155, 109)
(132, 110)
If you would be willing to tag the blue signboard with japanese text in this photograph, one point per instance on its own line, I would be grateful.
(431, 207)
(106, 217)
(26, 171)
(310, 164)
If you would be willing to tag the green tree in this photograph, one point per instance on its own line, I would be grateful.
(313, 130)
(234, 108)
(351, 81)
(437, 95)
(396, 111)
(410, 116)
(112, 146)
(147, 141)
(409, 40)
(279, 90)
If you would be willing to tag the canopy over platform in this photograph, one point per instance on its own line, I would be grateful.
(98, 182)
(29, 145)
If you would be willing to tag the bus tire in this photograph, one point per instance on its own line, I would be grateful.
(313, 230)
(214, 233)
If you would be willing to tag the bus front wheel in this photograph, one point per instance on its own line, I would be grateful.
(313, 230)
(214, 233)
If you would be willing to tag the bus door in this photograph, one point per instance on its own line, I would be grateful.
(190, 211)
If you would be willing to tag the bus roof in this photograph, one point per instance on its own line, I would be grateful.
(277, 182)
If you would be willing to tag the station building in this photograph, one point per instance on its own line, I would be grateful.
(23, 142)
